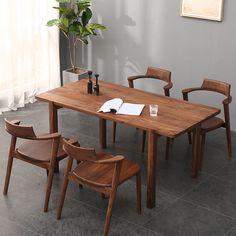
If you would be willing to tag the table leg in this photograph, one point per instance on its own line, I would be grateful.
(103, 133)
(196, 151)
(53, 126)
(53, 118)
(151, 179)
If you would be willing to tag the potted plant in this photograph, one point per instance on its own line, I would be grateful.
(74, 23)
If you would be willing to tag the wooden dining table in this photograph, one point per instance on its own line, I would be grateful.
(175, 117)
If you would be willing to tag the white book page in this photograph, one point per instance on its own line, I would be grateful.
(113, 104)
(131, 109)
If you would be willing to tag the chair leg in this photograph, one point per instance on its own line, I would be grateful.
(229, 143)
(104, 196)
(109, 211)
(56, 169)
(167, 148)
(62, 197)
(49, 187)
(189, 138)
(138, 190)
(203, 138)
(114, 132)
(8, 175)
(143, 140)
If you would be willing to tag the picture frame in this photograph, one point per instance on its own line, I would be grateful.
(203, 9)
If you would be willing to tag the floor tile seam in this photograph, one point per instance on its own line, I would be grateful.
(142, 227)
(20, 225)
(86, 204)
(105, 210)
(196, 186)
(229, 161)
(131, 222)
(176, 197)
(209, 209)
(223, 180)
(213, 173)
(230, 230)
(162, 210)
(167, 193)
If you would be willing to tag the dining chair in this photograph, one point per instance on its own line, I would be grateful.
(213, 123)
(43, 150)
(100, 172)
(152, 73)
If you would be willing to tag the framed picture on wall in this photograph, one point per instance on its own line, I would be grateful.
(204, 9)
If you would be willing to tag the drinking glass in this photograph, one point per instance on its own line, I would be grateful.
(153, 108)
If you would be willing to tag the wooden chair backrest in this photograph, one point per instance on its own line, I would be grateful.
(158, 73)
(216, 86)
(15, 129)
(78, 153)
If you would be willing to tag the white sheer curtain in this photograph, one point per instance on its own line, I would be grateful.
(29, 51)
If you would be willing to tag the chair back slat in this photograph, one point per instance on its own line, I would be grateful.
(162, 74)
(216, 86)
(79, 153)
(16, 130)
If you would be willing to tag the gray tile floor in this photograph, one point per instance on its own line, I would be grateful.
(185, 206)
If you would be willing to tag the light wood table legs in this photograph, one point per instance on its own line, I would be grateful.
(151, 179)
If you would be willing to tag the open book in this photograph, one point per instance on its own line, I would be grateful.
(119, 107)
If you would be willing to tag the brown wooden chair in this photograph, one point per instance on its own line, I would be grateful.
(152, 73)
(41, 150)
(100, 172)
(214, 122)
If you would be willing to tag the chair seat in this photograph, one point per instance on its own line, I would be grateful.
(101, 174)
(40, 150)
(212, 123)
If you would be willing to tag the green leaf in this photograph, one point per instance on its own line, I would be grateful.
(53, 22)
(65, 22)
(88, 29)
(63, 9)
(82, 5)
(63, 1)
(74, 19)
(97, 26)
(74, 29)
(89, 14)
(80, 29)
(84, 18)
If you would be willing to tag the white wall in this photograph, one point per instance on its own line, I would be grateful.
(152, 32)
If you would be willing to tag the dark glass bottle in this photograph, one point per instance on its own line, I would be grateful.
(96, 86)
(90, 82)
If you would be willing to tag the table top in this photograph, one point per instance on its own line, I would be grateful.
(174, 116)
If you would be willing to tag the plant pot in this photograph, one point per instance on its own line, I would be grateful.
(69, 76)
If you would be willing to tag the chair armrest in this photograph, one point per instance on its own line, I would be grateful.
(115, 159)
(136, 77)
(167, 88)
(16, 122)
(48, 136)
(186, 91)
(228, 100)
(72, 141)
(132, 78)
(189, 90)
